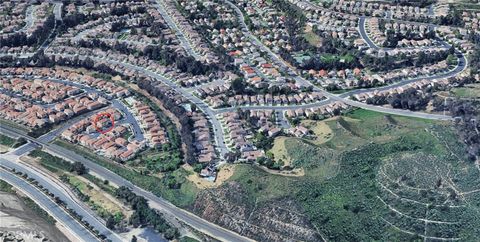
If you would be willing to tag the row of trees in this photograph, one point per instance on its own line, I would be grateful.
(388, 62)
(294, 24)
(468, 125)
(35, 39)
(143, 215)
(60, 203)
(415, 3)
(76, 166)
(410, 99)
(169, 103)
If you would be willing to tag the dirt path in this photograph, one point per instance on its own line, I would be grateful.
(297, 172)
(224, 173)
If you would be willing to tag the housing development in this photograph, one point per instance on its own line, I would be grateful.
(240, 120)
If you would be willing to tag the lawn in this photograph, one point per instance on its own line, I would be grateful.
(312, 38)
(468, 91)
(7, 141)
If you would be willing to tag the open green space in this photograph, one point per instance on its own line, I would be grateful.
(7, 141)
(173, 186)
(378, 178)
(313, 38)
(97, 200)
(468, 91)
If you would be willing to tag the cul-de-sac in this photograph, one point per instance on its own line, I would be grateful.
(240, 120)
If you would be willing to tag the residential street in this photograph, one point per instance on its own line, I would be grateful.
(185, 216)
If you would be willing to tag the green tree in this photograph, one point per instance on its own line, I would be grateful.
(110, 223)
(238, 85)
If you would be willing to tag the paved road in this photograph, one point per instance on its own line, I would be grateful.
(274, 107)
(202, 106)
(129, 119)
(48, 205)
(185, 42)
(10, 161)
(168, 208)
(364, 35)
(29, 18)
(332, 97)
(431, 10)
(462, 64)
(281, 120)
(128, 116)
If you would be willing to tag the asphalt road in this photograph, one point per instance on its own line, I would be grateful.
(57, 10)
(29, 18)
(10, 161)
(127, 119)
(202, 106)
(344, 98)
(168, 208)
(186, 44)
(48, 205)
(364, 35)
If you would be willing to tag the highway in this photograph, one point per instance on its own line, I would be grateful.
(11, 161)
(193, 220)
(47, 204)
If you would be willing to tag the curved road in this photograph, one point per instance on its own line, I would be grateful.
(10, 161)
(47, 204)
(344, 98)
(193, 220)
(363, 33)
(201, 105)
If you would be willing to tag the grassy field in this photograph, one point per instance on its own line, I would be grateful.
(101, 202)
(322, 131)
(182, 196)
(468, 91)
(100, 195)
(311, 37)
(280, 151)
(376, 179)
(14, 125)
(6, 143)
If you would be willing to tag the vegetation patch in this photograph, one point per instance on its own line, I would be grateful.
(98, 200)
(321, 130)
(279, 151)
(392, 174)
(6, 143)
(173, 186)
(468, 91)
